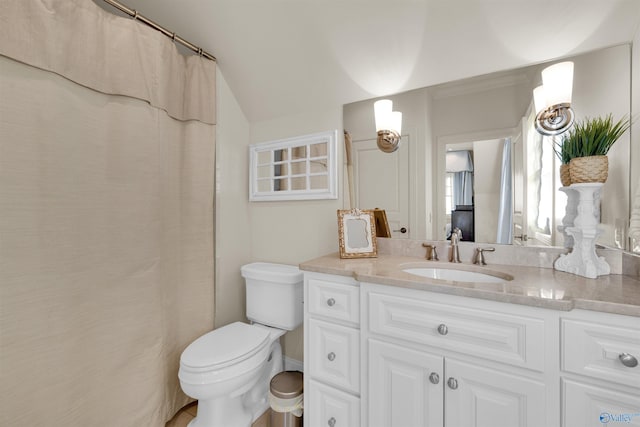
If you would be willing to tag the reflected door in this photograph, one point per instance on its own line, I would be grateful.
(382, 181)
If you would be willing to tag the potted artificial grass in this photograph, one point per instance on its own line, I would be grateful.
(585, 147)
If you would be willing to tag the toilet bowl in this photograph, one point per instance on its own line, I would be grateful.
(228, 370)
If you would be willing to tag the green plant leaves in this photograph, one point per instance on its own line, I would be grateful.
(590, 137)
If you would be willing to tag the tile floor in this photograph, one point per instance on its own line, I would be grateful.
(186, 414)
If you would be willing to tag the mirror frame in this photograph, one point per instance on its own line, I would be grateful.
(346, 249)
(256, 151)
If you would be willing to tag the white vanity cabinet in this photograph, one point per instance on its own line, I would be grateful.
(437, 360)
(600, 378)
(391, 356)
(332, 351)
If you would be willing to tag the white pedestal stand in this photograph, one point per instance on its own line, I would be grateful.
(583, 260)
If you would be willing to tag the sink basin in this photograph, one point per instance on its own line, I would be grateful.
(455, 275)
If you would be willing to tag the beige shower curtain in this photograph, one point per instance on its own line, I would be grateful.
(107, 141)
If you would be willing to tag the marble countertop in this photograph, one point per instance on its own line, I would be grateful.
(533, 286)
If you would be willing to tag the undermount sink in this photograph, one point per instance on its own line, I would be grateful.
(455, 275)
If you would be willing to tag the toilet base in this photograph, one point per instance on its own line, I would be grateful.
(222, 412)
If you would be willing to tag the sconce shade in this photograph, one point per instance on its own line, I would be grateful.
(539, 99)
(557, 80)
(552, 100)
(388, 125)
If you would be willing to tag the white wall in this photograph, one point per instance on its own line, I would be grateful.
(295, 231)
(283, 232)
(233, 225)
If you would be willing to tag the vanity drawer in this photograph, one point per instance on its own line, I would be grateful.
(330, 407)
(598, 350)
(335, 354)
(490, 333)
(588, 405)
(337, 301)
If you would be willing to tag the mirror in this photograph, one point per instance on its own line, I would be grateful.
(478, 115)
(357, 234)
(299, 168)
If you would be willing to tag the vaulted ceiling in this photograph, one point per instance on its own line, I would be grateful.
(283, 57)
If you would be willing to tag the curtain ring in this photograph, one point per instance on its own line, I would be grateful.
(200, 51)
(173, 37)
(135, 14)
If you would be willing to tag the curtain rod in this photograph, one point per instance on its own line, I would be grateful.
(173, 36)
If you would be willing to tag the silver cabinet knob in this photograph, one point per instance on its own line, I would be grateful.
(331, 302)
(452, 383)
(331, 356)
(628, 360)
(442, 329)
(434, 378)
(331, 422)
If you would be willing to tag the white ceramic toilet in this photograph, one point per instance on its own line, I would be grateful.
(229, 369)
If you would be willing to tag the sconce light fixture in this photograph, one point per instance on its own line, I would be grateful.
(388, 125)
(552, 100)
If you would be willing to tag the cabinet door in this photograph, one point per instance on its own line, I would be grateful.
(585, 405)
(328, 407)
(335, 354)
(483, 397)
(403, 391)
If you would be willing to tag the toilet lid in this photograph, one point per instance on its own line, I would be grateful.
(225, 346)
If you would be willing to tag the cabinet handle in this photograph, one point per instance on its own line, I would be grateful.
(331, 356)
(331, 422)
(434, 378)
(331, 302)
(452, 383)
(442, 329)
(628, 360)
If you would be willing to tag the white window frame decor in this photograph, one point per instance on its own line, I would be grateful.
(268, 169)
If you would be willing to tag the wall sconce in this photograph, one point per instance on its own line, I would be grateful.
(388, 125)
(552, 100)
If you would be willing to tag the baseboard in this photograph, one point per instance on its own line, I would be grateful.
(293, 364)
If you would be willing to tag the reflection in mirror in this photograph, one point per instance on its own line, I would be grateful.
(478, 115)
(356, 237)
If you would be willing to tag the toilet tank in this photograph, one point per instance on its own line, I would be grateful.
(274, 294)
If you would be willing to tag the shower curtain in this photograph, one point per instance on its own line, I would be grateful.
(107, 141)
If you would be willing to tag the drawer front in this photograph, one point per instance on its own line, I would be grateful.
(330, 407)
(335, 354)
(334, 300)
(516, 340)
(598, 350)
(585, 405)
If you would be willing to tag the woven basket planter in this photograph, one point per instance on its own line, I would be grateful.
(565, 175)
(589, 169)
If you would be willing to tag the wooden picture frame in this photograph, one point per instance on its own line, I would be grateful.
(382, 225)
(357, 233)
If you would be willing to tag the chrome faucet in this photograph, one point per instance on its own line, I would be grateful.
(480, 255)
(454, 253)
(432, 254)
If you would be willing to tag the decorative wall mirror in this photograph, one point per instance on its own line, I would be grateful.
(357, 234)
(299, 168)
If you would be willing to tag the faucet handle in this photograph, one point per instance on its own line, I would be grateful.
(480, 255)
(432, 254)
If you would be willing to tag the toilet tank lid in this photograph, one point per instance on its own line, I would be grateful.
(280, 273)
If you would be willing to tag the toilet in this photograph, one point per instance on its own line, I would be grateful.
(228, 370)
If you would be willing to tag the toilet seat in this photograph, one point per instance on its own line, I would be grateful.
(229, 345)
